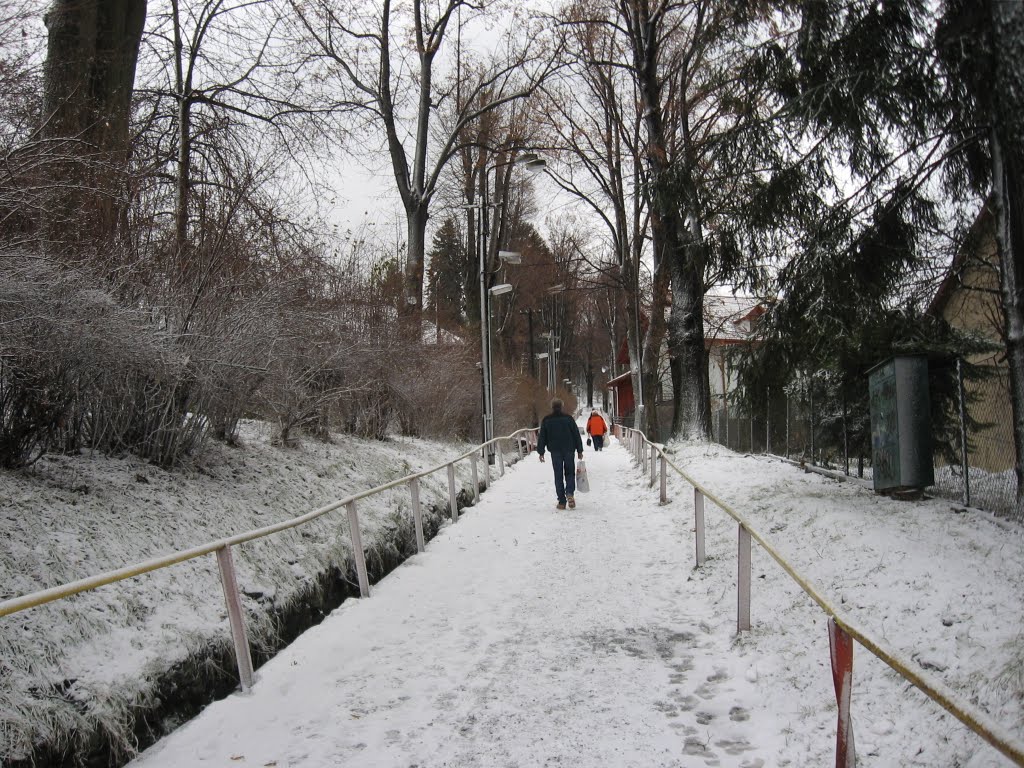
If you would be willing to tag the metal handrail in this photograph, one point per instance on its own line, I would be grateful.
(34, 599)
(970, 715)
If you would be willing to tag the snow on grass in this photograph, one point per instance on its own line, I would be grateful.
(944, 586)
(93, 658)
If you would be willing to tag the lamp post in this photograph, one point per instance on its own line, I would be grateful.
(532, 162)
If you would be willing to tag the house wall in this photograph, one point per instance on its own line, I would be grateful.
(974, 305)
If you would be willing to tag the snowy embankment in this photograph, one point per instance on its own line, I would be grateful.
(90, 664)
(941, 585)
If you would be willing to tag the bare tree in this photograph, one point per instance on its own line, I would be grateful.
(594, 117)
(387, 61)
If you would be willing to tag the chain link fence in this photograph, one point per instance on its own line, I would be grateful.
(807, 421)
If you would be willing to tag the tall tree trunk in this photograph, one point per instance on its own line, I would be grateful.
(416, 221)
(691, 414)
(1008, 191)
(88, 78)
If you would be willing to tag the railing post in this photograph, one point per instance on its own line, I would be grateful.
(841, 650)
(519, 447)
(487, 467)
(654, 464)
(501, 458)
(476, 480)
(235, 618)
(698, 524)
(743, 582)
(357, 549)
(664, 479)
(417, 514)
(453, 499)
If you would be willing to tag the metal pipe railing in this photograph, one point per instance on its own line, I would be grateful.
(842, 629)
(222, 547)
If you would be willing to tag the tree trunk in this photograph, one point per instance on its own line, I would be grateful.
(1008, 192)
(416, 220)
(691, 414)
(88, 78)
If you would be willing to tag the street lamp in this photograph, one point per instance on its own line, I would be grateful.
(534, 163)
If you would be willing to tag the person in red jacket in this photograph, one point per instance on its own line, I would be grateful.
(596, 428)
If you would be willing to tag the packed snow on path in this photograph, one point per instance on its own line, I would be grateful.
(526, 636)
(523, 636)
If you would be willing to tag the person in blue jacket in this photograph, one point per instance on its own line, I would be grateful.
(560, 436)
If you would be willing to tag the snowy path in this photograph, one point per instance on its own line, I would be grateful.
(523, 636)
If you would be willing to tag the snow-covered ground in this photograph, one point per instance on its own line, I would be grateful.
(525, 636)
(66, 666)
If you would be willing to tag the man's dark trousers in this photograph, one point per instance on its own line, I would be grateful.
(564, 466)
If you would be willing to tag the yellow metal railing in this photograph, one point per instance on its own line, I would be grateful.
(222, 547)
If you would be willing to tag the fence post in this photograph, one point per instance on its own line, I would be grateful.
(664, 479)
(417, 514)
(476, 480)
(787, 425)
(751, 427)
(235, 618)
(487, 467)
(357, 549)
(841, 651)
(519, 447)
(846, 441)
(810, 395)
(965, 460)
(453, 499)
(768, 420)
(654, 463)
(743, 581)
(698, 524)
(501, 458)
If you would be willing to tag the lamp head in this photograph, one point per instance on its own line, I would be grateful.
(498, 290)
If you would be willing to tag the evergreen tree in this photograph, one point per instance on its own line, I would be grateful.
(445, 279)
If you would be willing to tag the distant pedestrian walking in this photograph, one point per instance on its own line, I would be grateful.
(597, 428)
(561, 437)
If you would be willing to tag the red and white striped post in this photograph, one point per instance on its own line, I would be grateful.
(743, 582)
(357, 550)
(235, 618)
(417, 513)
(841, 650)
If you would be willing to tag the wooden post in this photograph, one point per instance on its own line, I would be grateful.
(654, 465)
(519, 447)
(417, 514)
(743, 582)
(235, 618)
(698, 524)
(501, 459)
(664, 479)
(841, 650)
(487, 468)
(453, 499)
(476, 481)
(357, 549)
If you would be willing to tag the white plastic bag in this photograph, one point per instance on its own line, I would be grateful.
(582, 483)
